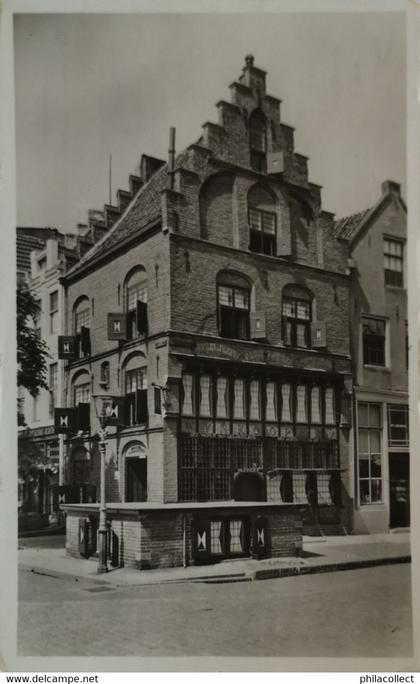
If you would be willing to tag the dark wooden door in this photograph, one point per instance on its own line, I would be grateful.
(399, 490)
(136, 479)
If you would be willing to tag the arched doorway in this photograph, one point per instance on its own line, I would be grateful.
(135, 463)
(248, 487)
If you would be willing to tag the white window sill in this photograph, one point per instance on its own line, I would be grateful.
(384, 369)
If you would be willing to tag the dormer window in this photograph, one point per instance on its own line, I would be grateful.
(258, 142)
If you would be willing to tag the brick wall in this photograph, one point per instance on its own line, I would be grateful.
(194, 294)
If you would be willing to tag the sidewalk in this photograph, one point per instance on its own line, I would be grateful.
(326, 554)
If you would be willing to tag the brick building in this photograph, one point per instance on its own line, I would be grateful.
(379, 337)
(217, 308)
(43, 255)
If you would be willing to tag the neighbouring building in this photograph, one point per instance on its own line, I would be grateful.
(216, 313)
(376, 239)
(43, 255)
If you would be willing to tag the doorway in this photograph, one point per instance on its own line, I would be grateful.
(136, 479)
(399, 490)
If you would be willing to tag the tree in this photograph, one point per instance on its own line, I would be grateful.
(32, 352)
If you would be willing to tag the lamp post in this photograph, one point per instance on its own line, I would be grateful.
(107, 412)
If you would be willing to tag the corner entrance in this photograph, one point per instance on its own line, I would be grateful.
(399, 490)
(136, 479)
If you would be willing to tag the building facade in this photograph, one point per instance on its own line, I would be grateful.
(216, 313)
(379, 339)
(43, 255)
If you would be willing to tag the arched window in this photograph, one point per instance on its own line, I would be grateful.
(233, 298)
(135, 379)
(258, 141)
(297, 316)
(135, 303)
(262, 221)
(81, 326)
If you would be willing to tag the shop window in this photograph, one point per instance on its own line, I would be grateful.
(286, 403)
(270, 402)
(373, 341)
(188, 395)
(254, 400)
(239, 399)
(297, 316)
(398, 435)
(135, 298)
(315, 405)
(222, 402)
(329, 406)
(370, 452)
(393, 262)
(301, 404)
(205, 396)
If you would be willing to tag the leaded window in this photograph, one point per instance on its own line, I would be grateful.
(233, 305)
(297, 321)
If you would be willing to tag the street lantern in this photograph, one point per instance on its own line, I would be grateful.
(108, 412)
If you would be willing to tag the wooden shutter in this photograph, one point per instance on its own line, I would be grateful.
(258, 326)
(83, 417)
(201, 540)
(311, 487)
(318, 334)
(260, 537)
(141, 406)
(286, 487)
(158, 400)
(335, 488)
(142, 326)
(85, 340)
(117, 326)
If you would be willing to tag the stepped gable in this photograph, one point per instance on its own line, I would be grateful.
(346, 227)
(145, 207)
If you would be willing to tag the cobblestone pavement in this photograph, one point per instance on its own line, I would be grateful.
(355, 613)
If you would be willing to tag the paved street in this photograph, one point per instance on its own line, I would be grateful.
(362, 612)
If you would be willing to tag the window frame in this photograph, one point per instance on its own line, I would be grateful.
(136, 282)
(132, 399)
(367, 351)
(239, 315)
(370, 454)
(391, 279)
(268, 240)
(295, 321)
(398, 443)
(53, 311)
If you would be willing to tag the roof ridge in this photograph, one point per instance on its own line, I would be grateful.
(91, 252)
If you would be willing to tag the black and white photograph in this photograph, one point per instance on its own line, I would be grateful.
(214, 345)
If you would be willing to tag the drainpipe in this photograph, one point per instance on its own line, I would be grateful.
(171, 161)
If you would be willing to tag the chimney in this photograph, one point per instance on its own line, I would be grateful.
(171, 158)
(391, 187)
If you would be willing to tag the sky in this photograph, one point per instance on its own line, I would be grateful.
(90, 86)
